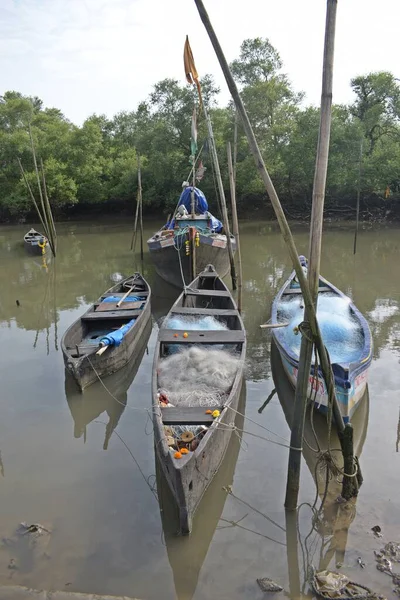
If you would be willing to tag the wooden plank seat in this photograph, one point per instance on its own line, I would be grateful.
(217, 293)
(112, 314)
(187, 415)
(107, 306)
(298, 290)
(167, 336)
(217, 312)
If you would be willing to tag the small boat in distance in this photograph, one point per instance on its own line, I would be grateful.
(197, 380)
(190, 231)
(35, 242)
(345, 333)
(104, 339)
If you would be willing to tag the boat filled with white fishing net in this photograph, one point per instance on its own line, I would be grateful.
(197, 379)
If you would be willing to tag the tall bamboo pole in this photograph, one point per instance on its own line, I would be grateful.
(283, 224)
(306, 348)
(221, 195)
(235, 225)
(358, 197)
(134, 234)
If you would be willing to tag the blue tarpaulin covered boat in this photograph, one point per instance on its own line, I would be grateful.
(346, 336)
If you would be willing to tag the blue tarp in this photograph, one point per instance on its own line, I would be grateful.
(128, 299)
(200, 202)
(200, 207)
(115, 337)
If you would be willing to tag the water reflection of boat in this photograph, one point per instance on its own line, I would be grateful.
(87, 407)
(334, 520)
(186, 554)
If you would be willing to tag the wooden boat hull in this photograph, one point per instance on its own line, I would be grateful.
(190, 476)
(168, 257)
(189, 482)
(86, 369)
(350, 378)
(349, 392)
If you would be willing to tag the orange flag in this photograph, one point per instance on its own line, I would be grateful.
(190, 68)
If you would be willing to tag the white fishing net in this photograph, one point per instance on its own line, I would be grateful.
(197, 376)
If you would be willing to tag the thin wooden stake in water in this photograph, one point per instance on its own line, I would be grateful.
(306, 347)
(141, 207)
(235, 225)
(52, 231)
(358, 197)
(222, 196)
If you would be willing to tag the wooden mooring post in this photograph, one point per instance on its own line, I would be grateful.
(282, 221)
(235, 225)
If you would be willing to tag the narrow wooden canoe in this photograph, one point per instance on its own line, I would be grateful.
(35, 242)
(99, 327)
(189, 476)
(345, 332)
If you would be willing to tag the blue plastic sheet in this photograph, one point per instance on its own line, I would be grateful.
(200, 202)
(115, 337)
(128, 299)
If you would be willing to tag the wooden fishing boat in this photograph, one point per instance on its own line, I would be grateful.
(345, 333)
(104, 339)
(35, 242)
(171, 250)
(189, 474)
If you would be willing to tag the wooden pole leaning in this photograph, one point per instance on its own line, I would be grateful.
(282, 221)
(307, 343)
(222, 196)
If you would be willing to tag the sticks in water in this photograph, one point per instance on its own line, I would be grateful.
(44, 211)
(285, 230)
(358, 196)
(222, 196)
(306, 348)
(138, 214)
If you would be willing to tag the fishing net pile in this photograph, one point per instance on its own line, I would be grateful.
(340, 329)
(197, 376)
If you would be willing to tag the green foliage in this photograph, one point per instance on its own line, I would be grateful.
(98, 162)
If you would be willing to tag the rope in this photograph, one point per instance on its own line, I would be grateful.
(136, 462)
(233, 427)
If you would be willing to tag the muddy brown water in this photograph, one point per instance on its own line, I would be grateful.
(63, 463)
